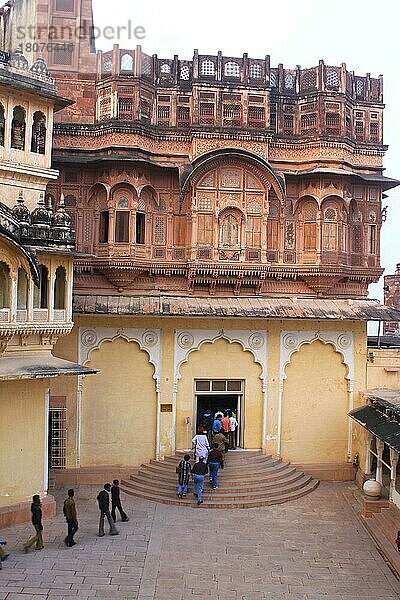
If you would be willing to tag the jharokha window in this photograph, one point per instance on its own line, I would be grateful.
(122, 222)
(310, 227)
(38, 143)
(230, 232)
(18, 126)
(330, 230)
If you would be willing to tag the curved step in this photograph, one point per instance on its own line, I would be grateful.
(224, 503)
(234, 481)
(267, 490)
(248, 480)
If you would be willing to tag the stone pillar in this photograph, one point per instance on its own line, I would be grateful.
(379, 451)
(367, 469)
(394, 459)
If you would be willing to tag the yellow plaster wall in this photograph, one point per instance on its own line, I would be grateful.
(22, 435)
(315, 405)
(383, 369)
(118, 407)
(221, 360)
(209, 361)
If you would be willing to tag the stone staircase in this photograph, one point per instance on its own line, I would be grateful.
(249, 479)
(383, 526)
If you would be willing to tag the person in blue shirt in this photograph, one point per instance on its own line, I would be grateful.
(217, 425)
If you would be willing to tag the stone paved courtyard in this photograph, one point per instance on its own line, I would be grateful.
(309, 549)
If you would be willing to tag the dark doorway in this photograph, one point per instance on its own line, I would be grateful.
(207, 404)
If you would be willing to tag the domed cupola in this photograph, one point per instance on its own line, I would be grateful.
(21, 212)
(41, 216)
(61, 219)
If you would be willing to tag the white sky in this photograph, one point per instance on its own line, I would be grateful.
(363, 34)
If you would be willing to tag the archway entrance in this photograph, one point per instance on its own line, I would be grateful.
(216, 395)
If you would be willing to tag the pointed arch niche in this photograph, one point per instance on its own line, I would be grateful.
(148, 340)
(292, 341)
(190, 340)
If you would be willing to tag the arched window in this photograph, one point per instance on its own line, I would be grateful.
(4, 285)
(122, 221)
(2, 125)
(40, 294)
(165, 69)
(310, 227)
(231, 69)
(230, 232)
(18, 126)
(22, 290)
(59, 288)
(330, 230)
(126, 62)
(255, 71)
(207, 67)
(185, 72)
(38, 142)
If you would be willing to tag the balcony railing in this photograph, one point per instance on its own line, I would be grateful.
(40, 315)
(4, 315)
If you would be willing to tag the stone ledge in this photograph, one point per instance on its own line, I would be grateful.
(328, 472)
(13, 514)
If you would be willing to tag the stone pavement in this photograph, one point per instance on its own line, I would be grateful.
(308, 549)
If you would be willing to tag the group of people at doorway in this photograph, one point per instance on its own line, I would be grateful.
(212, 440)
(226, 424)
(109, 492)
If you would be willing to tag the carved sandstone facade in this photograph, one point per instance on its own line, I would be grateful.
(225, 176)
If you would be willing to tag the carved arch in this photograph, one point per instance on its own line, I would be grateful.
(342, 342)
(206, 162)
(148, 340)
(190, 340)
(97, 187)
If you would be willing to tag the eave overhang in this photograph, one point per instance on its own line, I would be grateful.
(236, 307)
(381, 416)
(39, 366)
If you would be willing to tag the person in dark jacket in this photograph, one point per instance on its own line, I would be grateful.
(36, 510)
(103, 498)
(215, 461)
(116, 502)
(183, 471)
(199, 470)
(69, 510)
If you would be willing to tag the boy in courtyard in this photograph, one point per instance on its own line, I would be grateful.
(183, 471)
